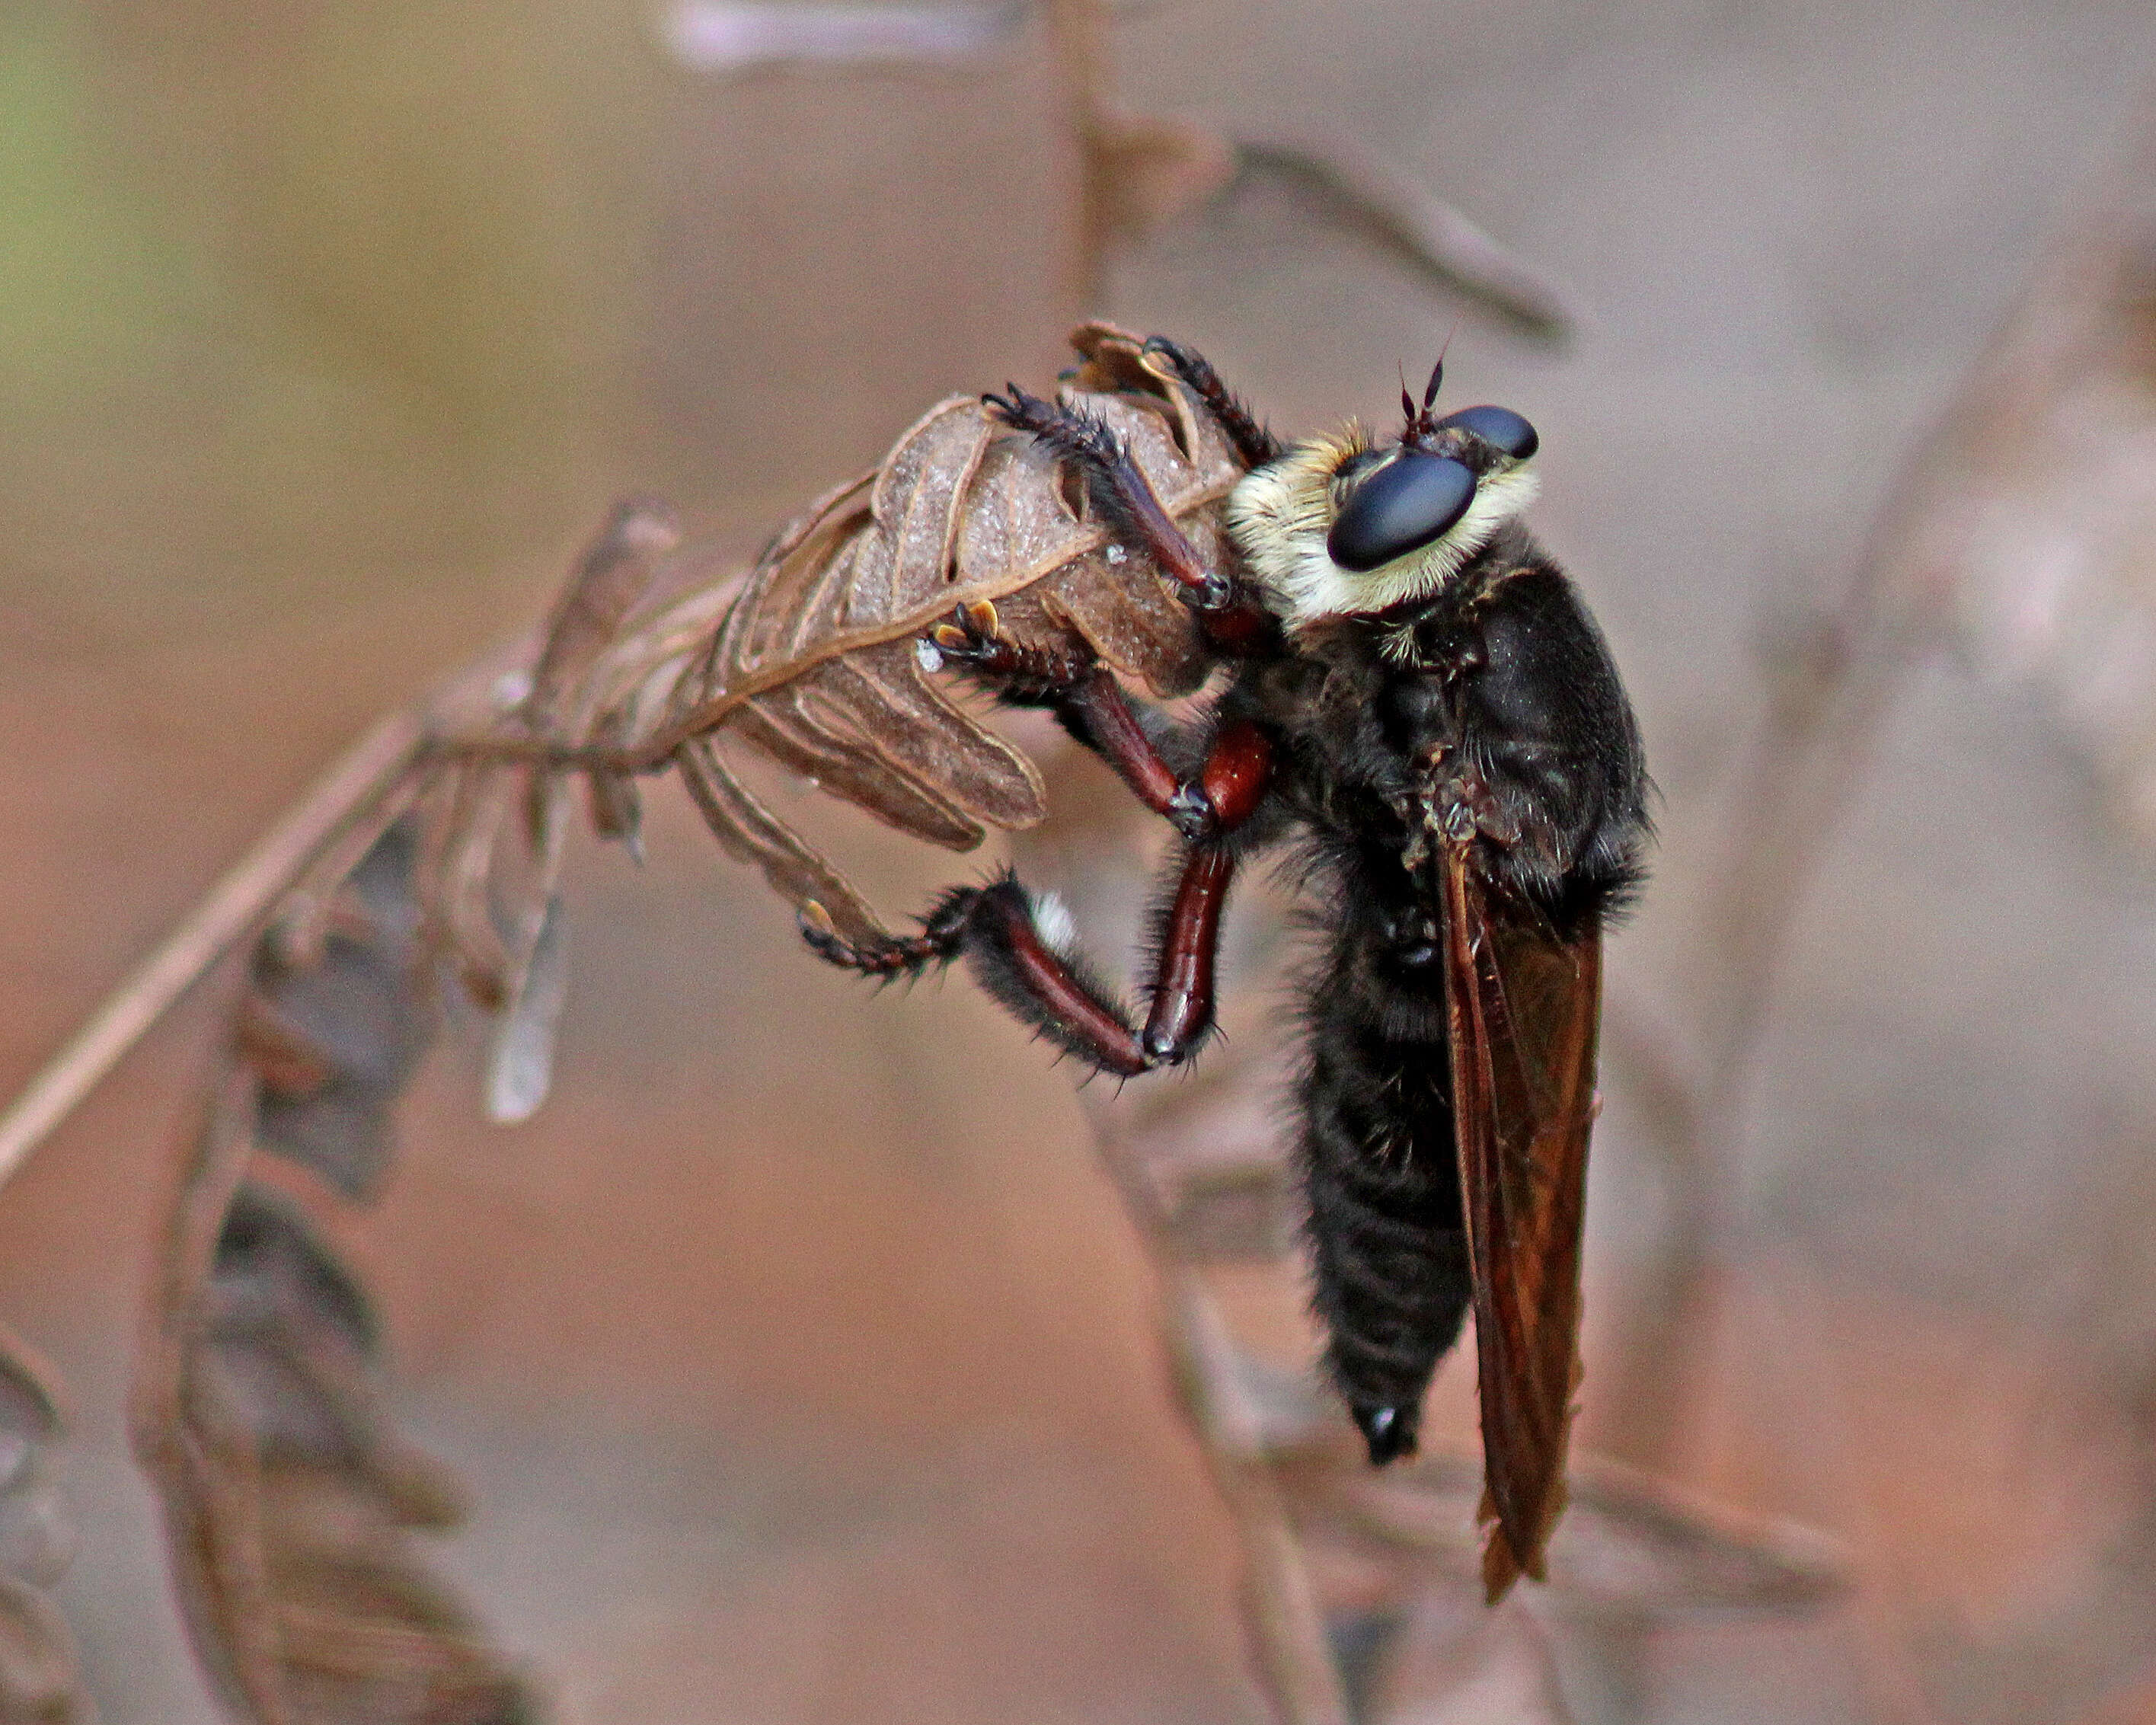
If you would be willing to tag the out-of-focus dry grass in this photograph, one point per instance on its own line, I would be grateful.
(797, 1355)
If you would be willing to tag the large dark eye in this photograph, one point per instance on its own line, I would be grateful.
(1401, 507)
(1500, 427)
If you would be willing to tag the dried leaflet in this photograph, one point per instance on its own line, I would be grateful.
(815, 662)
(290, 1508)
(500, 854)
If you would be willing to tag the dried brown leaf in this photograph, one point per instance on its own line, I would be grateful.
(813, 661)
(290, 1504)
(617, 571)
(333, 1035)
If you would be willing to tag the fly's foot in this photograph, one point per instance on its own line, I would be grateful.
(1087, 443)
(1029, 675)
(1254, 442)
(1120, 497)
(1212, 593)
(942, 938)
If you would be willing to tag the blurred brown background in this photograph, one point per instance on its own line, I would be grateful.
(800, 1360)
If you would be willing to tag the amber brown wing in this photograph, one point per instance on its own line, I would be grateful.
(1523, 1007)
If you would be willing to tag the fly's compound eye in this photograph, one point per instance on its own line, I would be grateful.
(1401, 507)
(1501, 428)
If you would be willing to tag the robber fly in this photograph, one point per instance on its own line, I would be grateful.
(1415, 693)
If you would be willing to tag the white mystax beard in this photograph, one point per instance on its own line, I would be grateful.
(1280, 516)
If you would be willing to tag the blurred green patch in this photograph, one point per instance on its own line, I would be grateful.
(89, 293)
(297, 299)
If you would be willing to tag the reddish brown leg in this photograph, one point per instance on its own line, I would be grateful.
(1021, 949)
(1111, 724)
(1182, 982)
(1029, 963)
(1254, 442)
(1228, 787)
(1044, 981)
(1040, 976)
(1094, 705)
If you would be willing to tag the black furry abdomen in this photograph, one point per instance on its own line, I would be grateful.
(1504, 675)
(1387, 1244)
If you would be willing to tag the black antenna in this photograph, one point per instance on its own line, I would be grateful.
(1420, 422)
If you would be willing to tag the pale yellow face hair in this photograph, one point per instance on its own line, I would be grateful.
(1279, 515)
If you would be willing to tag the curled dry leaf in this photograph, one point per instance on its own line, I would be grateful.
(496, 854)
(814, 661)
(290, 1507)
(336, 1032)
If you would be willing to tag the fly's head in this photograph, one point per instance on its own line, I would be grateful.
(1347, 525)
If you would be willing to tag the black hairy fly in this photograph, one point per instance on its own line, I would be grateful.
(1414, 692)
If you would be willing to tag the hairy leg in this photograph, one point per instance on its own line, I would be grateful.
(1254, 442)
(1120, 495)
(1098, 712)
(1022, 949)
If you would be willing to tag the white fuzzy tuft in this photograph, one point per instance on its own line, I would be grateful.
(1279, 515)
(1057, 928)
